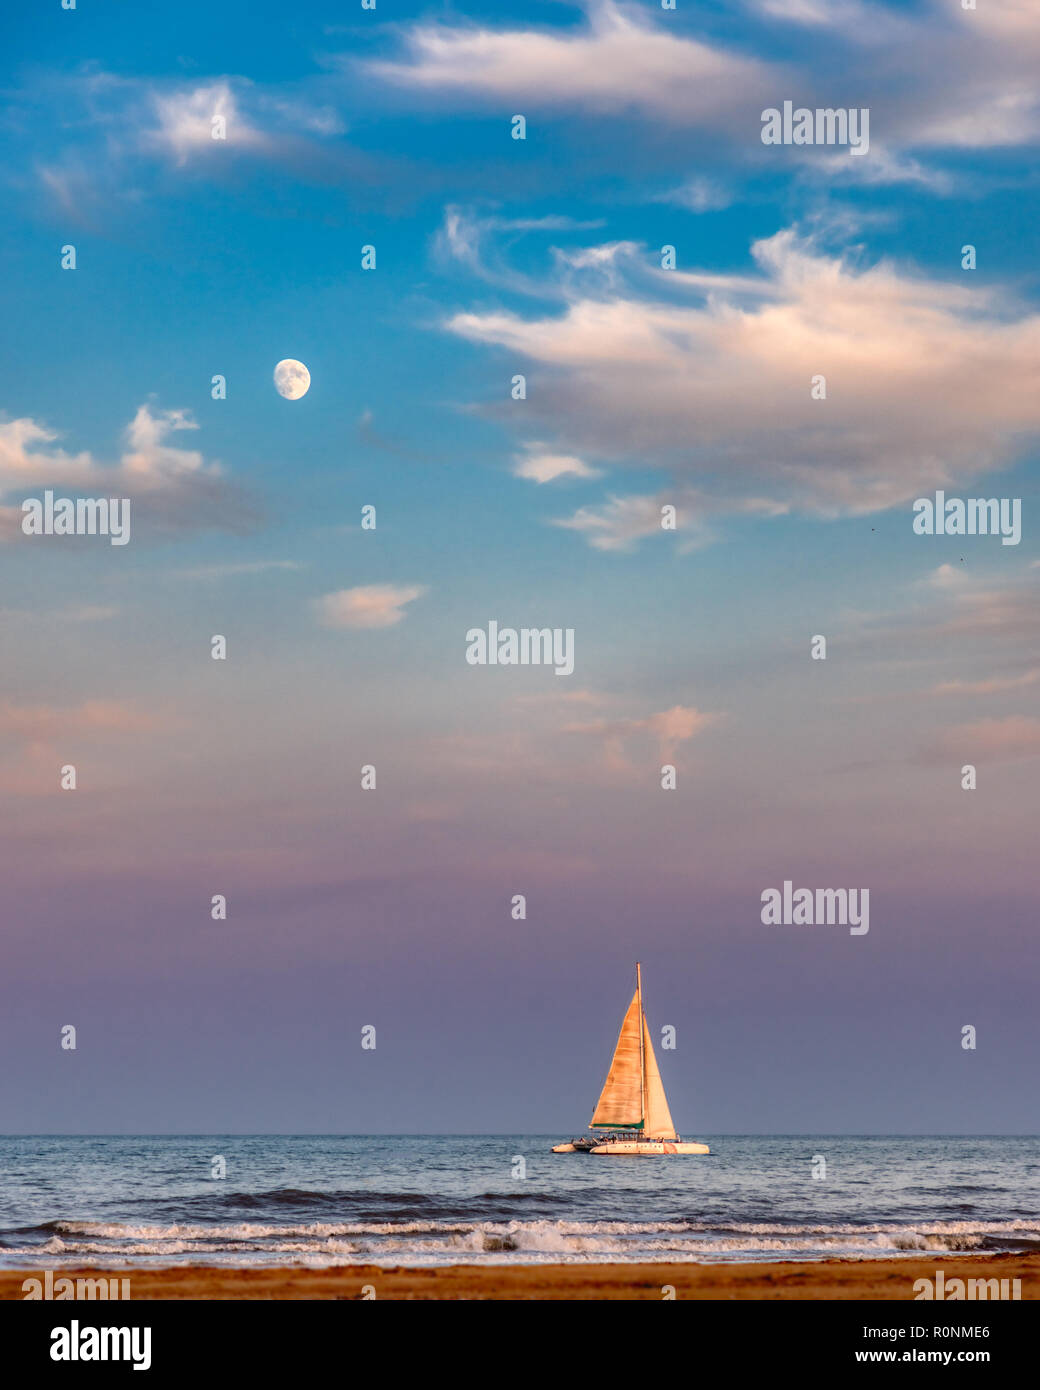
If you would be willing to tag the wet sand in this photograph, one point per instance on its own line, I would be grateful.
(824, 1279)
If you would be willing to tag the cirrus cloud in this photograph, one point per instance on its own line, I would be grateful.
(616, 61)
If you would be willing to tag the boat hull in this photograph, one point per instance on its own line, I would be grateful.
(649, 1148)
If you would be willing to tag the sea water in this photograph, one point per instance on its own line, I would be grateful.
(427, 1200)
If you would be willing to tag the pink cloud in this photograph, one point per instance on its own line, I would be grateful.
(367, 606)
(46, 723)
(987, 740)
(669, 727)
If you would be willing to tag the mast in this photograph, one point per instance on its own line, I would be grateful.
(642, 1054)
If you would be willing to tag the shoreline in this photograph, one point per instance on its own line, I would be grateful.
(890, 1279)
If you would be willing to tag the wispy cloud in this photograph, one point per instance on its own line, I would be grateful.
(552, 737)
(88, 613)
(196, 120)
(996, 685)
(708, 378)
(233, 569)
(475, 240)
(978, 89)
(698, 194)
(124, 134)
(616, 61)
(619, 523)
(986, 740)
(984, 629)
(668, 729)
(75, 613)
(46, 724)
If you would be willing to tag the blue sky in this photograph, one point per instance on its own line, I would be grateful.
(687, 386)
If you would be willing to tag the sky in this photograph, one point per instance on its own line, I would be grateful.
(668, 286)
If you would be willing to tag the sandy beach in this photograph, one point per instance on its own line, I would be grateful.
(890, 1279)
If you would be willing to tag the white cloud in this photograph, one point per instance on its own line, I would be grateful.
(150, 458)
(928, 382)
(368, 606)
(617, 523)
(542, 466)
(176, 488)
(616, 60)
(126, 128)
(468, 238)
(149, 461)
(861, 23)
(946, 577)
(978, 88)
(186, 121)
(698, 194)
(25, 461)
(882, 166)
(254, 120)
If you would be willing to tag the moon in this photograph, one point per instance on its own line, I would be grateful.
(292, 379)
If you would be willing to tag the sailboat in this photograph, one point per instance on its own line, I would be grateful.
(632, 1107)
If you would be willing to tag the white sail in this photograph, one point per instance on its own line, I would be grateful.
(657, 1119)
(633, 1097)
(621, 1100)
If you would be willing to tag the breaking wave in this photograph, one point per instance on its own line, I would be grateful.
(422, 1242)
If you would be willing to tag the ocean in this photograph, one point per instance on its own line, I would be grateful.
(428, 1200)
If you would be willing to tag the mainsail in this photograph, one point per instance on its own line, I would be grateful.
(633, 1095)
(620, 1104)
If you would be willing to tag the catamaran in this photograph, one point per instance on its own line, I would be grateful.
(632, 1107)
